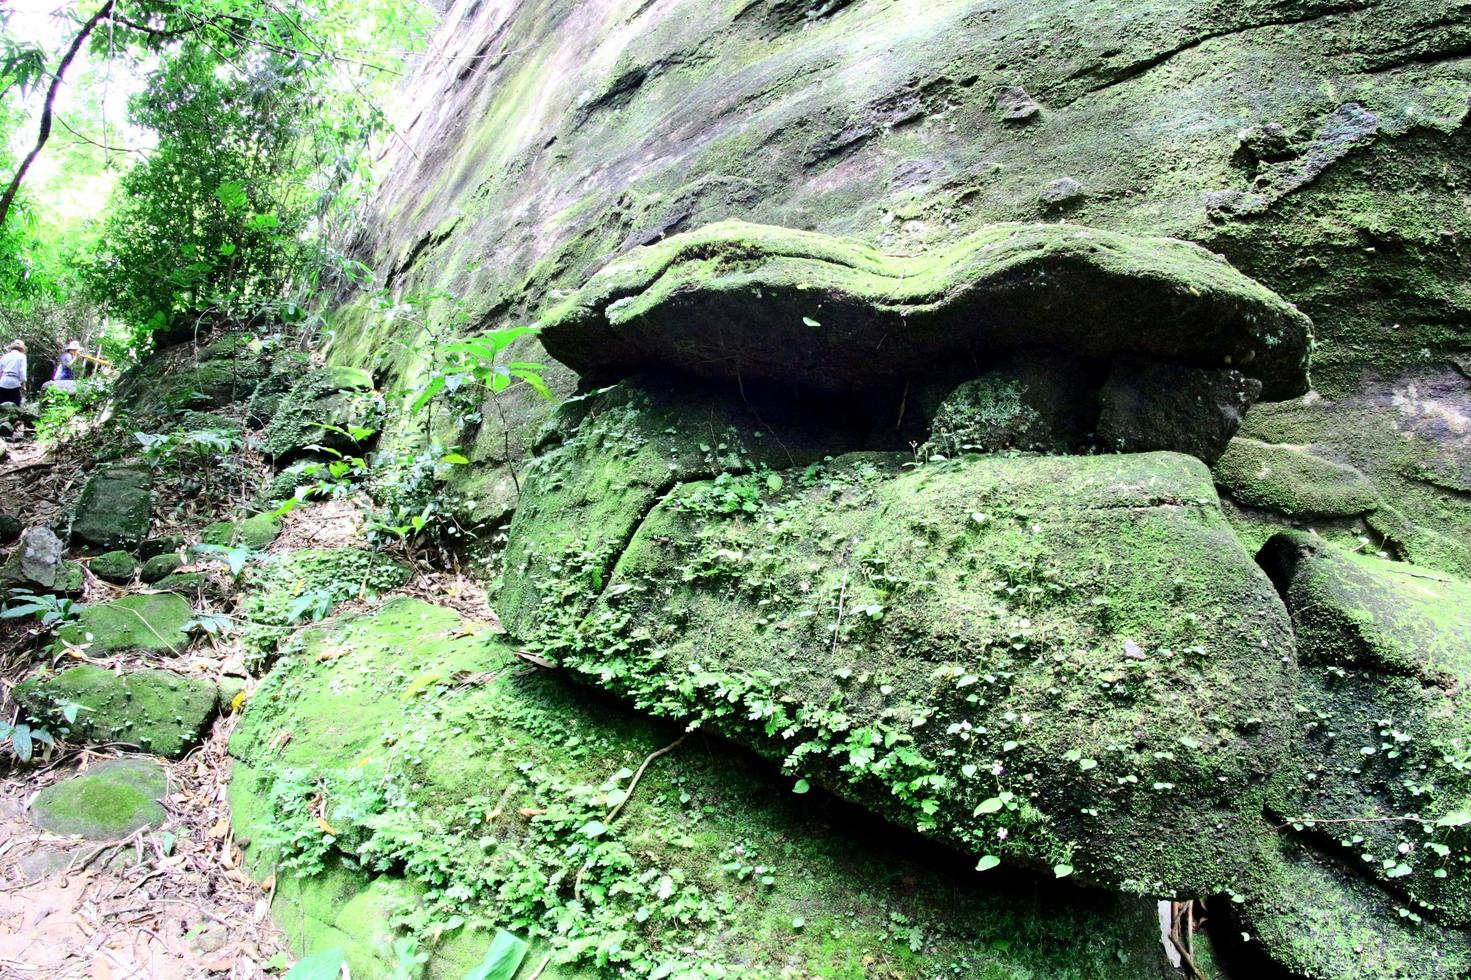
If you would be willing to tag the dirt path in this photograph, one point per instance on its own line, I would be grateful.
(162, 904)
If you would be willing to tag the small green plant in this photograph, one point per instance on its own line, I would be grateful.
(21, 738)
(50, 610)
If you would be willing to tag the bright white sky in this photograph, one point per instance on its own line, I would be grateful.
(93, 101)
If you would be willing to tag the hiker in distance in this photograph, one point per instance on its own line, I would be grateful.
(13, 374)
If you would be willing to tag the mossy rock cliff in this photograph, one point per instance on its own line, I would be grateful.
(459, 783)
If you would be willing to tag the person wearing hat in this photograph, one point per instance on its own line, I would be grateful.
(13, 373)
(64, 371)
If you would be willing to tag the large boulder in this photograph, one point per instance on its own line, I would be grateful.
(152, 622)
(426, 770)
(115, 509)
(324, 408)
(831, 314)
(158, 711)
(1057, 661)
(109, 801)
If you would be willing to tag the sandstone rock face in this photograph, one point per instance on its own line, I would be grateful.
(1321, 146)
(827, 313)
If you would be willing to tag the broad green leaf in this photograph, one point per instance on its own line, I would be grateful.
(1062, 870)
(231, 194)
(988, 862)
(1456, 818)
(326, 965)
(989, 806)
(801, 787)
(502, 960)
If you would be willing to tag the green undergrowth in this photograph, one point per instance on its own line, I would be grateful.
(297, 587)
(413, 749)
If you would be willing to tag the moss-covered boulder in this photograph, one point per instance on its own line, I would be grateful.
(115, 508)
(493, 792)
(161, 566)
(114, 566)
(811, 310)
(158, 711)
(153, 622)
(255, 532)
(1058, 661)
(153, 547)
(109, 801)
(325, 408)
(1385, 652)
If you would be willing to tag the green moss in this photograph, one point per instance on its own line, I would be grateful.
(155, 710)
(137, 622)
(255, 533)
(1320, 920)
(1395, 434)
(428, 744)
(319, 404)
(1385, 647)
(298, 586)
(114, 566)
(115, 508)
(902, 635)
(1292, 482)
(161, 566)
(108, 802)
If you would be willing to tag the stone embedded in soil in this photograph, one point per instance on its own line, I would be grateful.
(35, 563)
(154, 710)
(151, 622)
(161, 566)
(115, 508)
(256, 532)
(114, 566)
(153, 547)
(108, 802)
(762, 303)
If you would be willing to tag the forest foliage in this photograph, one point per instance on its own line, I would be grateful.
(249, 132)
